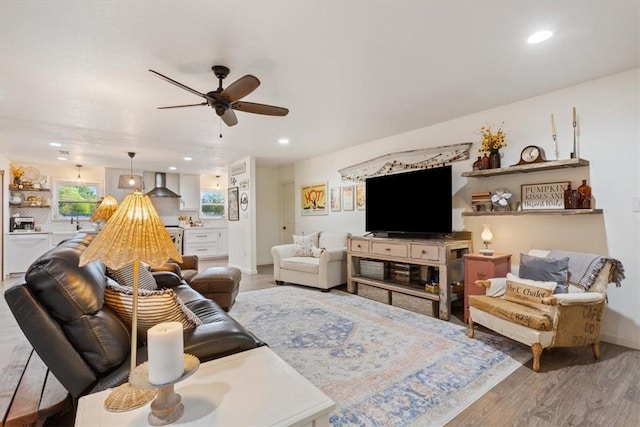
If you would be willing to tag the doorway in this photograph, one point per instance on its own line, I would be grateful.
(287, 210)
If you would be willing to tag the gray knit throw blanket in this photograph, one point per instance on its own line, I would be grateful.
(585, 267)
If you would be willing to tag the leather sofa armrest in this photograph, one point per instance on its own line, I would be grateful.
(168, 266)
(189, 262)
(166, 279)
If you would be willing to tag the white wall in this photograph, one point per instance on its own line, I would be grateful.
(609, 121)
(268, 218)
(242, 233)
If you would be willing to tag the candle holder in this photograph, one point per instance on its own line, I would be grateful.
(167, 407)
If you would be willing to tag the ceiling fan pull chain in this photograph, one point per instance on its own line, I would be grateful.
(220, 125)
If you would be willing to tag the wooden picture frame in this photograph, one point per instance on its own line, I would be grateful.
(233, 200)
(336, 199)
(361, 196)
(543, 196)
(347, 198)
(313, 199)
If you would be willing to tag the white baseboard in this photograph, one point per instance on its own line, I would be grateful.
(623, 341)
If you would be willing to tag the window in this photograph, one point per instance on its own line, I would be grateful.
(212, 204)
(75, 199)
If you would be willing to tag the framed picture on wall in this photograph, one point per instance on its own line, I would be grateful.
(361, 196)
(347, 197)
(336, 206)
(314, 199)
(234, 210)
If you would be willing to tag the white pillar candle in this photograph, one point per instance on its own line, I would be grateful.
(166, 348)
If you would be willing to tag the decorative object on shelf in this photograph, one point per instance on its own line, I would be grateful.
(584, 196)
(31, 175)
(481, 201)
(135, 234)
(568, 201)
(553, 135)
(549, 195)
(492, 143)
(485, 162)
(131, 181)
(106, 209)
(487, 237)
(16, 172)
(531, 154)
(500, 199)
(576, 150)
(406, 160)
(477, 165)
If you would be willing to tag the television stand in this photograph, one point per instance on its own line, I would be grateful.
(422, 275)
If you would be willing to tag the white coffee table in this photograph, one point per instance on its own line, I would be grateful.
(252, 388)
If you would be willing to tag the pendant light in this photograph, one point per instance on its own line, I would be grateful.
(135, 182)
(78, 178)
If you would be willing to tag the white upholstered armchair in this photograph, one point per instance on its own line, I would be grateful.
(318, 260)
(529, 312)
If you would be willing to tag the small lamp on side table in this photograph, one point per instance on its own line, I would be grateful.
(487, 237)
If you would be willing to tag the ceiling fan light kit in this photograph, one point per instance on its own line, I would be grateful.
(225, 100)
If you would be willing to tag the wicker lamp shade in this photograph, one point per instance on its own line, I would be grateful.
(134, 232)
(107, 207)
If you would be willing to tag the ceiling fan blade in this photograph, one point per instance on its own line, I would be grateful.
(252, 107)
(240, 88)
(180, 85)
(180, 106)
(229, 117)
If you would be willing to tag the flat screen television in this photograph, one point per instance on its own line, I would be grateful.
(417, 203)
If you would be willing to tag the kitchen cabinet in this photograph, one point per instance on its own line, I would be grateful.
(482, 267)
(189, 192)
(223, 242)
(23, 249)
(205, 242)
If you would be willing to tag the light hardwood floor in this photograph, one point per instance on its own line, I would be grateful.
(570, 390)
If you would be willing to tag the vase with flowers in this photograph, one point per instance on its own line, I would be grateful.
(492, 143)
(16, 172)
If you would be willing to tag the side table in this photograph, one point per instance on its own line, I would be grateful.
(480, 267)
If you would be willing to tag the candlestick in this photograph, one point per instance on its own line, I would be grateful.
(574, 154)
(166, 349)
(553, 125)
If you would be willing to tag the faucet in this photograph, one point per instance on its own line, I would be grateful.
(77, 223)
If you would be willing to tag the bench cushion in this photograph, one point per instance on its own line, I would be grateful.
(539, 318)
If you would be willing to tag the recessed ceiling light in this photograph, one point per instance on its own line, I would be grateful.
(55, 144)
(539, 37)
(172, 168)
(188, 158)
(283, 141)
(62, 158)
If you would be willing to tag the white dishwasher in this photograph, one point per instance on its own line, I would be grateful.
(23, 249)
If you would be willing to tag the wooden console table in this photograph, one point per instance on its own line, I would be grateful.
(442, 257)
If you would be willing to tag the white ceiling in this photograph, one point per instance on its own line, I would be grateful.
(76, 73)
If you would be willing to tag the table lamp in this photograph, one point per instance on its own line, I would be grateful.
(134, 233)
(106, 209)
(487, 237)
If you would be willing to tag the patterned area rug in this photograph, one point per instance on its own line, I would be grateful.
(381, 365)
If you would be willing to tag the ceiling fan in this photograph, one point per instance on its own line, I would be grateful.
(225, 100)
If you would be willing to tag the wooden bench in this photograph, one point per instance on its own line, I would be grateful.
(29, 393)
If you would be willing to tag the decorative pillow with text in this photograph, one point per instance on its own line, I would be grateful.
(526, 291)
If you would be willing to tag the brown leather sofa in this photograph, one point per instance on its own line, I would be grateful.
(84, 343)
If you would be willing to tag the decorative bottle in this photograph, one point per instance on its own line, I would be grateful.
(585, 195)
(477, 165)
(494, 159)
(486, 163)
(567, 197)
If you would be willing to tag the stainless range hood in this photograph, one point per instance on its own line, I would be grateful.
(161, 190)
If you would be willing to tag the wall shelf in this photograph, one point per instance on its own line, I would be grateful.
(536, 167)
(536, 212)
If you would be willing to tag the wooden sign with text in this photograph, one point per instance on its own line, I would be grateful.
(549, 195)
